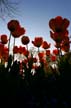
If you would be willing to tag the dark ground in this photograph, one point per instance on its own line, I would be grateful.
(35, 93)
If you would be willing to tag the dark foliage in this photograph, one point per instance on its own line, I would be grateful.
(34, 91)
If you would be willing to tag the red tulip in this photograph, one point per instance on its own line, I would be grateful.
(65, 45)
(47, 52)
(55, 51)
(37, 41)
(4, 39)
(18, 32)
(41, 54)
(15, 49)
(53, 58)
(58, 37)
(13, 25)
(34, 59)
(58, 24)
(5, 54)
(25, 40)
(45, 45)
(21, 49)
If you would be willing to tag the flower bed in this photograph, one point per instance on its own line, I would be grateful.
(39, 69)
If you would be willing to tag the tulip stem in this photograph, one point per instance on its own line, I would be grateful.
(38, 49)
(13, 52)
(60, 52)
(27, 51)
(27, 47)
(9, 43)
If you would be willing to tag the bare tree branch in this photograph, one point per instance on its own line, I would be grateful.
(8, 8)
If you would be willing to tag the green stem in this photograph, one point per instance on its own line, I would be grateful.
(27, 47)
(60, 52)
(13, 47)
(27, 50)
(9, 42)
(38, 49)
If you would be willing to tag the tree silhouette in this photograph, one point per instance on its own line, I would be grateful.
(8, 8)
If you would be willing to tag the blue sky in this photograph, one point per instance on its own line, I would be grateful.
(34, 15)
